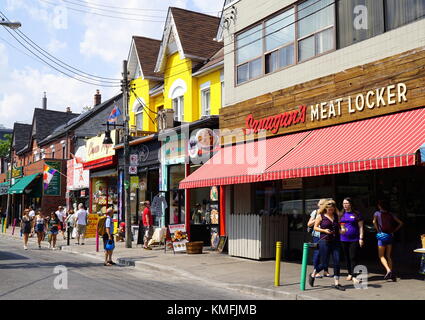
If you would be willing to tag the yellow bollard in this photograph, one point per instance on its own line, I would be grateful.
(277, 269)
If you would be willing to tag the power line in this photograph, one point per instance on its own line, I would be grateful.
(126, 8)
(103, 15)
(53, 67)
(77, 71)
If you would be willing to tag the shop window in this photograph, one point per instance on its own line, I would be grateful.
(348, 34)
(399, 13)
(315, 28)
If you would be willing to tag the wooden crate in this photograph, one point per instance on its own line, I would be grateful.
(194, 247)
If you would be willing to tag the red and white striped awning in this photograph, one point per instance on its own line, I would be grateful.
(377, 143)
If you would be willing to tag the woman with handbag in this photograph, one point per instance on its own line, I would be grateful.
(316, 238)
(386, 224)
(352, 240)
(329, 244)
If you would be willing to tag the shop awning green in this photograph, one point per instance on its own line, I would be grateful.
(23, 182)
(4, 188)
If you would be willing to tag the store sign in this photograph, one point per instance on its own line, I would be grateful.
(54, 188)
(97, 150)
(174, 149)
(92, 220)
(350, 106)
(17, 172)
(134, 183)
(132, 170)
(78, 178)
(379, 98)
(203, 142)
(274, 123)
(143, 153)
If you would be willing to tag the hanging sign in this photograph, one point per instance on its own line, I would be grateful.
(132, 170)
(134, 159)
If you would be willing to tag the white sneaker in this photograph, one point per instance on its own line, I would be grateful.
(50, 246)
(25, 248)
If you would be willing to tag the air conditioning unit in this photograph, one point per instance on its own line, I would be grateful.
(165, 119)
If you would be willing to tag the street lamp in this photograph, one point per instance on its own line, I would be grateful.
(10, 24)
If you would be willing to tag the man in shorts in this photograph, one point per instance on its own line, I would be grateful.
(147, 225)
(61, 216)
(81, 223)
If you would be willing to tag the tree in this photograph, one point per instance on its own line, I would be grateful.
(5, 146)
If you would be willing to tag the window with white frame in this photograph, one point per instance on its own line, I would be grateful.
(206, 101)
(178, 107)
(139, 118)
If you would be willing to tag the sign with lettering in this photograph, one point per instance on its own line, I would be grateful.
(373, 99)
(97, 150)
(78, 178)
(54, 188)
(92, 220)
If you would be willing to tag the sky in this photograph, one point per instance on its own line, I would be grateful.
(91, 35)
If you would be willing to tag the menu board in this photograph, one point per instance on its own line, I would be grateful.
(54, 188)
(178, 237)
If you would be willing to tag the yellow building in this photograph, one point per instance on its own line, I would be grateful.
(143, 105)
(192, 84)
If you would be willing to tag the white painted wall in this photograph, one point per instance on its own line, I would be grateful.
(388, 44)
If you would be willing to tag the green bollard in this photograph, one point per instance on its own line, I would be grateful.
(304, 267)
(2, 223)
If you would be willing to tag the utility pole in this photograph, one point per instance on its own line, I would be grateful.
(128, 243)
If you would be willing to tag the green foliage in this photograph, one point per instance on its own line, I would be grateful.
(5, 146)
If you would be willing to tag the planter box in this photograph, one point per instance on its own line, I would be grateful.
(194, 247)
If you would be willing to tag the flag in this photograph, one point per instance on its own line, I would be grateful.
(115, 113)
(48, 175)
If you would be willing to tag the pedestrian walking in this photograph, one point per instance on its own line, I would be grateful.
(40, 227)
(32, 216)
(60, 213)
(70, 222)
(26, 227)
(53, 227)
(147, 225)
(316, 238)
(108, 238)
(329, 244)
(386, 223)
(141, 233)
(352, 239)
(81, 223)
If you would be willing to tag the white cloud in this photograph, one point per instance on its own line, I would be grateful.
(55, 46)
(19, 101)
(109, 39)
(210, 7)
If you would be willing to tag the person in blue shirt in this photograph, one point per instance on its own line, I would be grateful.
(108, 236)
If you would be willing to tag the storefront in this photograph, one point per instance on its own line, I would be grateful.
(144, 176)
(101, 162)
(354, 134)
(179, 153)
(78, 181)
(26, 191)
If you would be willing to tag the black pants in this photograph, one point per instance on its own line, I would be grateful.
(351, 250)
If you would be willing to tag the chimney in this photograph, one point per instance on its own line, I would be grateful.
(44, 102)
(97, 98)
(68, 110)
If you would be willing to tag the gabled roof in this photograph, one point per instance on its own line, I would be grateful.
(146, 50)
(21, 135)
(194, 34)
(82, 118)
(216, 61)
(46, 121)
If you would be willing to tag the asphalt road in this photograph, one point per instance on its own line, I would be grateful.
(30, 275)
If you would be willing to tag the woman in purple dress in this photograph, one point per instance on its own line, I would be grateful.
(352, 240)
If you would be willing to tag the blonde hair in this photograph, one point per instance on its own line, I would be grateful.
(328, 203)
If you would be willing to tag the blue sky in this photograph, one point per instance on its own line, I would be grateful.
(85, 40)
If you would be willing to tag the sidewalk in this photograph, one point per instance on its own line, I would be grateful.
(247, 276)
